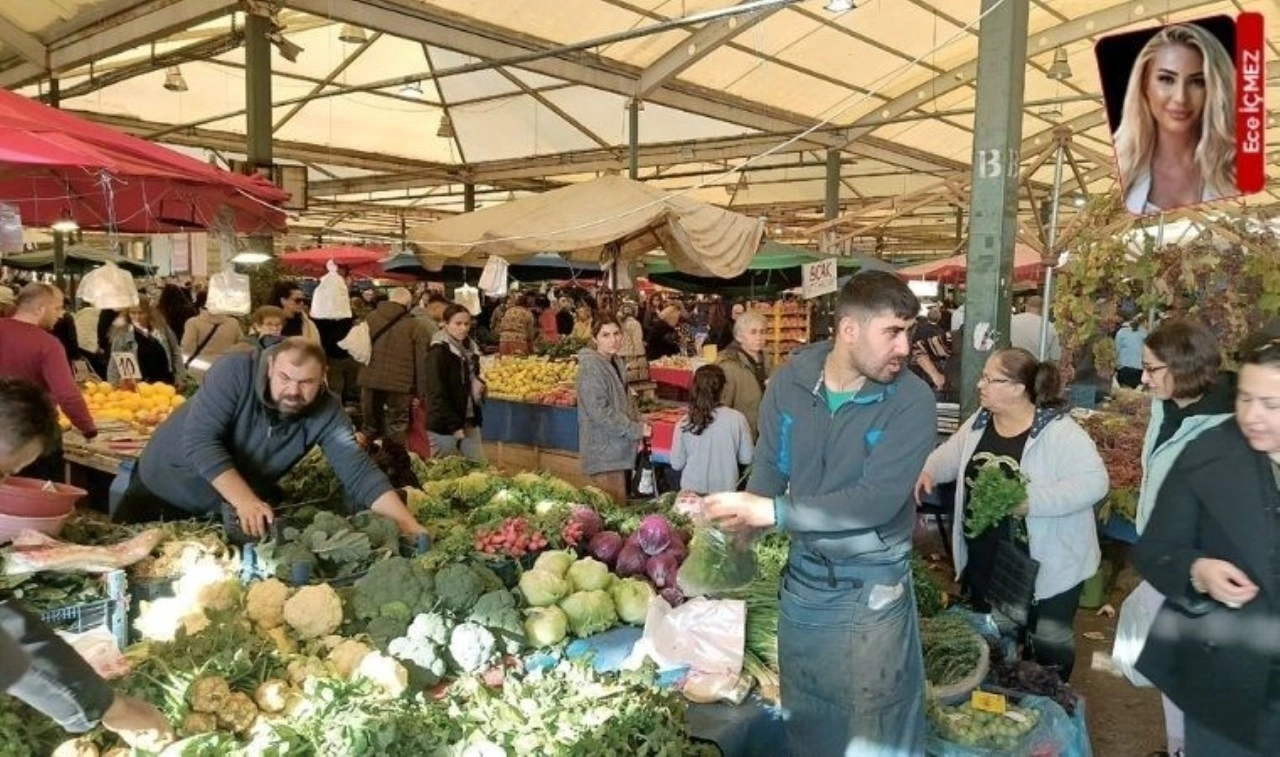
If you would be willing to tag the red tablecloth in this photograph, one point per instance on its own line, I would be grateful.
(681, 378)
(664, 431)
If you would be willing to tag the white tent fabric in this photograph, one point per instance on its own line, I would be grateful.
(587, 220)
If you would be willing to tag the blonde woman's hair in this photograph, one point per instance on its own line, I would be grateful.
(1216, 150)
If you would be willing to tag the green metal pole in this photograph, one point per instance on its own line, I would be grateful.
(257, 91)
(993, 210)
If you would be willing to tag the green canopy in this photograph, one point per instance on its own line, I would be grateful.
(79, 260)
(774, 268)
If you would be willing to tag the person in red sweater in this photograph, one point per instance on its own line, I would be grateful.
(28, 351)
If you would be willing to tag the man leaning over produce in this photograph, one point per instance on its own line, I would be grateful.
(256, 415)
(844, 430)
(36, 665)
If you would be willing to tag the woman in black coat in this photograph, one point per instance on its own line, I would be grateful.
(455, 392)
(1212, 547)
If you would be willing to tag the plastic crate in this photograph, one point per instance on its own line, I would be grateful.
(111, 612)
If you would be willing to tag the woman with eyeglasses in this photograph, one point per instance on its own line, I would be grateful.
(1211, 546)
(1023, 425)
(287, 296)
(1181, 363)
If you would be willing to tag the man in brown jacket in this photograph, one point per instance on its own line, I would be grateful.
(746, 368)
(395, 375)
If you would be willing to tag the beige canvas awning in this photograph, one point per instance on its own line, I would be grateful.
(592, 220)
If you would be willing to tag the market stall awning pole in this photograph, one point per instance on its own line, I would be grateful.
(1051, 238)
(257, 93)
(993, 210)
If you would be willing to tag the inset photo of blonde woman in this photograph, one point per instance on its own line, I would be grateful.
(1170, 99)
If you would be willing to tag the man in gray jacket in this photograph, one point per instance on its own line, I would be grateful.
(844, 432)
(256, 415)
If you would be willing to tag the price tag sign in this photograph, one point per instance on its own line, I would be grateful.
(127, 366)
(819, 278)
(988, 702)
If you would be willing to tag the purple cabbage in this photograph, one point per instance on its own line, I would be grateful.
(662, 570)
(631, 560)
(673, 596)
(605, 547)
(678, 551)
(654, 534)
(589, 519)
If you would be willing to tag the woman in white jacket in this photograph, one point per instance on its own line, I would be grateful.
(1022, 418)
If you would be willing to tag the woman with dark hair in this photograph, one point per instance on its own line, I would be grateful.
(711, 440)
(1212, 548)
(719, 326)
(1023, 427)
(1181, 361)
(176, 307)
(609, 428)
(455, 392)
(288, 296)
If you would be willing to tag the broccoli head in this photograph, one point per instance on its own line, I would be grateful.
(458, 587)
(383, 533)
(396, 584)
(383, 629)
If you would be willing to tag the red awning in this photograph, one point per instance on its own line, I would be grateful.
(952, 270)
(55, 165)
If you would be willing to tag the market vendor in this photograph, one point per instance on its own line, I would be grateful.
(36, 665)
(844, 430)
(254, 418)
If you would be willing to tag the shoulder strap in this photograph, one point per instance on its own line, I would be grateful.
(373, 339)
(203, 343)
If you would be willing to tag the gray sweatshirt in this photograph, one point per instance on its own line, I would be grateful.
(232, 423)
(709, 461)
(842, 484)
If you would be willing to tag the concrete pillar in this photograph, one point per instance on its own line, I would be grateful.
(993, 208)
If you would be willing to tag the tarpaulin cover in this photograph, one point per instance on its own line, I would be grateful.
(583, 221)
(55, 165)
(1026, 267)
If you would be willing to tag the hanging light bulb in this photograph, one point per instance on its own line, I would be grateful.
(250, 257)
(66, 224)
(839, 6)
(352, 35)
(412, 89)
(1060, 69)
(445, 129)
(173, 80)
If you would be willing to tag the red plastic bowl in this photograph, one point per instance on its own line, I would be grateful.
(28, 498)
(12, 525)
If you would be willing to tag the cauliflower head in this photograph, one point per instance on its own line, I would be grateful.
(265, 603)
(314, 611)
(347, 656)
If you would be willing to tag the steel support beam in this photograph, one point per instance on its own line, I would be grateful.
(352, 57)
(257, 97)
(551, 106)
(468, 197)
(196, 52)
(700, 44)
(633, 139)
(31, 49)
(993, 203)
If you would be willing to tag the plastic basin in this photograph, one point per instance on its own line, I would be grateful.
(33, 498)
(12, 525)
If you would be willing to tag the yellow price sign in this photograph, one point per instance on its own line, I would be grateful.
(988, 702)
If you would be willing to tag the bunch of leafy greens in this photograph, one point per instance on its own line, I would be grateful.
(993, 496)
(312, 480)
(330, 546)
(571, 710)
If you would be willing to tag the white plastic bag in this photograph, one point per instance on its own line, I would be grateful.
(330, 300)
(98, 648)
(707, 635)
(229, 294)
(468, 297)
(358, 343)
(1136, 616)
(109, 288)
(493, 281)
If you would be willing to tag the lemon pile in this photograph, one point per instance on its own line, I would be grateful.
(525, 379)
(148, 405)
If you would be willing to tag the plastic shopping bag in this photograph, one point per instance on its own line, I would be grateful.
(358, 343)
(229, 294)
(706, 635)
(1136, 616)
(493, 281)
(961, 732)
(718, 562)
(109, 288)
(330, 300)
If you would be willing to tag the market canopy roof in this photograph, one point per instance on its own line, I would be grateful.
(55, 166)
(533, 100)
(598, 219)
(1027, 265)
(79, 260)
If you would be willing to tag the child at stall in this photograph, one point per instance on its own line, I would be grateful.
(711, 441)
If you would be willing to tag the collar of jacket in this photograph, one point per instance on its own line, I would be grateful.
(809, 363)
(262, 382)
(1044, 416)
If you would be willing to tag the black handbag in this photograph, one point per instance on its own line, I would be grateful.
(644, 479)
(1012, 590)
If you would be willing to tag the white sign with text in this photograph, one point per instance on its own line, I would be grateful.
(819, 278)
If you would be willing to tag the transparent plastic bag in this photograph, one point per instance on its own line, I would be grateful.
(109, 288)
(1051, 736)
(229, 294)
(330, 300)
(718, 562)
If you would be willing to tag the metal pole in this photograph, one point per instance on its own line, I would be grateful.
(468, 197)
(1151, 311)
(257, 85)
(832, 205)
(1052, 240)
(59, 241)
(633, 139)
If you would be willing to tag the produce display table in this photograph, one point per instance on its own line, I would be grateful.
(679, 378)
(532, 425)
(104, 454)
(664, 430)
